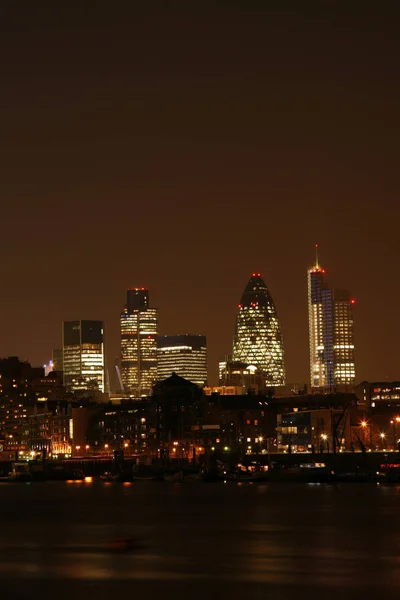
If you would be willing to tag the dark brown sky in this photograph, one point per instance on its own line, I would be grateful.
(181, 148)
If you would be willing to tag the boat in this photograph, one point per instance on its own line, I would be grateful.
(174, 477)
(245, 476)
(388, 473)
(137, 477)
(312, 472)
(193, 476)
(108, 476)
(116, 477)
(20, 473)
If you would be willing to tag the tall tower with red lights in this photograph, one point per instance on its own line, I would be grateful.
(331, 332)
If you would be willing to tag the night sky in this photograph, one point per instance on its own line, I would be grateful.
(182, 146)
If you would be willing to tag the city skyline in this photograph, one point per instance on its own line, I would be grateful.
(137, 308)
(136, 148)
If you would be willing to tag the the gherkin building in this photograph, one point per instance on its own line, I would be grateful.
(258, 338)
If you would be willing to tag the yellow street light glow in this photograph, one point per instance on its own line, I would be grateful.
(106, 446)
(324, 436)
(383, 435)
(363, 423)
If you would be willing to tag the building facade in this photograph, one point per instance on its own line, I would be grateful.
(241, 376)
(185, 355)
(139, 328)
(258, 340)
(331, 332)
(83, 355)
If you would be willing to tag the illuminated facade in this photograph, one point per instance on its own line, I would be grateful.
(185, 355)
(83, 353)
(139, 328)
(241, 376)
(331, 332)
(258, 340)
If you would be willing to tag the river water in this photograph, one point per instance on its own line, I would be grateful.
(199, 540)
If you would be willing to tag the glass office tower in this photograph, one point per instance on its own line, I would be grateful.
(185, 355)
(83, 355)
(258, 339)
(139, 328)
(331, 332)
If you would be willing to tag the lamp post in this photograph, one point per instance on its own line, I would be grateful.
(363, 426)
(382, 436)
(396, 420)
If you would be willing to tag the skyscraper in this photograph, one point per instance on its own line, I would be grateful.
(343, 339)
(258, 340)
(83, 355)
(185, 355)
(331, 332)
(139, 327)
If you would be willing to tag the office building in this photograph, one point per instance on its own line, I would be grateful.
(139, 328)
(258, 340)
(239, 375)
(83, 353)
(185, 355)
(331, 332)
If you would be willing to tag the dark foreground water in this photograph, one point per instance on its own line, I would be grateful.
(199, 540)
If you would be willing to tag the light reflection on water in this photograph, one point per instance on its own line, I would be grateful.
(287, 535)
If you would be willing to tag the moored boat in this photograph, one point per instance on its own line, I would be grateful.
(174, 477)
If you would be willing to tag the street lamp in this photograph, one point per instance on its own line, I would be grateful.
(382, 436)
(324, 438)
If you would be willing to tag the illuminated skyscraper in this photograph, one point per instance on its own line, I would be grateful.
(343, 339)
(185, 355)
(331, 332)
(139, 327)
(258, 340)
(83, 353)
